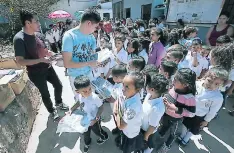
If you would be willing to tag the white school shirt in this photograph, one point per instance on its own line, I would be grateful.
(56, 35)
(230, 79)
(144, 54)
(132, 114)
(183, 64)
(112, 41)
(49, 37)
(90, 105)
(208, 102)
(153, 111)
(161, 26)
(141, 29)
(122, 55)
(202, 64)
(126, 44)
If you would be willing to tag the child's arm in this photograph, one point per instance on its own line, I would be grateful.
(195, 61)
(154, 119)
(214, 108)
(187, 111)
(74, 107)
(100, 110)
(230, 89)
(203, 72)
(121, 124)
(150, 131)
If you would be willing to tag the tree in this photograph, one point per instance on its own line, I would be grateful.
(14, 7)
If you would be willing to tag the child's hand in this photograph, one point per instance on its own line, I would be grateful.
(68, 112)
(169, 105)
(93, 122)
(115, 109)
(194, 53)
(111, 99)
(203, 124)
(229, 92)
(102, 75)
(117, 60)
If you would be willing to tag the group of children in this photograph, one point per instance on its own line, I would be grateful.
(161, 80)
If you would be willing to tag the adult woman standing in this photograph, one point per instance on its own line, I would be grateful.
(222, 28)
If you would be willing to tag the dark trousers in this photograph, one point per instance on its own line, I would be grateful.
(172, 124)
(59, 44)
(40, 78)
(97, 129)
(53, 47)
(224, 98)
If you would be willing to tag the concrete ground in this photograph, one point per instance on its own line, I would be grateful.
(218, 138)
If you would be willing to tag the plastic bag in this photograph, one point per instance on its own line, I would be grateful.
(78, 121)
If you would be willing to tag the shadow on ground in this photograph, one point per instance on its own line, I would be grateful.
(51, 142)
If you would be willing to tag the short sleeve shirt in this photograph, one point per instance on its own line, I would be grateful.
(82, 47)
(30, 47)
(122, 55)
(132, 114)
(90, 105)
(153, 111)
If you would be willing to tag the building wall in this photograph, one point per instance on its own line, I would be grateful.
(135, 6)
(106, 8)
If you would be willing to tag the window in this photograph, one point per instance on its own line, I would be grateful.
(229, 7)
(106, 16)
(128, 12)
(118, 10)
(146, 12)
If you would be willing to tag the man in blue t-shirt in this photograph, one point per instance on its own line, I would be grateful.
(78, 47)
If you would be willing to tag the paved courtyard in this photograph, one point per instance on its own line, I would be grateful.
(218, 138)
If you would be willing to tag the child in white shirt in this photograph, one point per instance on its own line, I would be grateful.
(153, 107)
(118, 73)
(144, 49)
(197, 63)
(128, 114)
(121, 56)
(136, 64)
(208, 102)
(92, 105)
(168, 69)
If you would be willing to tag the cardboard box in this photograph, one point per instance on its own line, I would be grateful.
(18, 83)
(7, 96)
(8, 63)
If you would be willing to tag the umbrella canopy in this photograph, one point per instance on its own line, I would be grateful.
(59, 14)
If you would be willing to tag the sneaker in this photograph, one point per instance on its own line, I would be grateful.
(115, 131)
(86, 148)
(163, 149)
(101, 141)
(62, 106)
(231, 113)
(179, 139)
(55, 115)
(183, 143)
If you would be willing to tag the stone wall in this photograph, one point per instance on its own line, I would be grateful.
(17, 120)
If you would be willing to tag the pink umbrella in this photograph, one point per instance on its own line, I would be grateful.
(59, 14)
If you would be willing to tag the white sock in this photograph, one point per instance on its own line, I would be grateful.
(187, 137)
(148, 150)
(184, 131)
